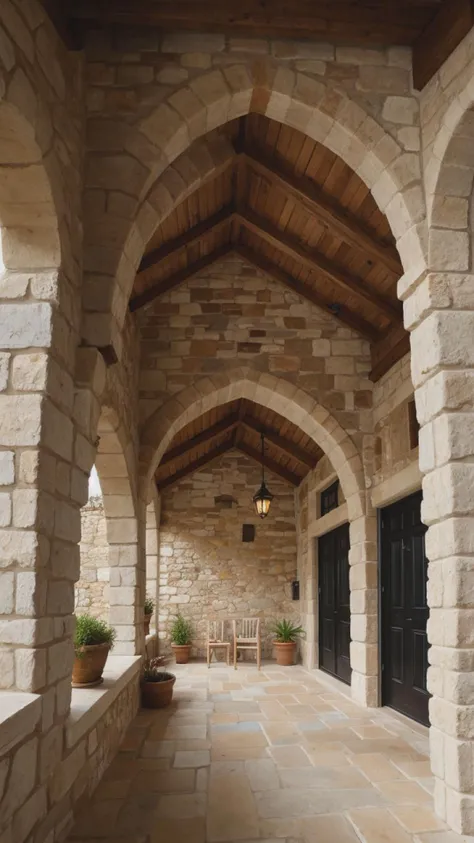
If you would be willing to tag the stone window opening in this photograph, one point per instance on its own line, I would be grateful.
(92, 587)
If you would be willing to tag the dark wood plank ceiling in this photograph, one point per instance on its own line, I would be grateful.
(289, 452)
(296, 212)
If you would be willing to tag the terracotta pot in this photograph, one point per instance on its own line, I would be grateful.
(146, 623)
(181, 652)
(285, 652)
(89, 664)
(157, 694)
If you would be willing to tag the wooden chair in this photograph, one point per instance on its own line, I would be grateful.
(247, 637)
(216, 640)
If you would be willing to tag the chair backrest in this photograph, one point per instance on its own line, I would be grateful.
(216, 630)
(248, 628)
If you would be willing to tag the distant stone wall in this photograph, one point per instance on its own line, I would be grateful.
(92, 588)
(206, 570)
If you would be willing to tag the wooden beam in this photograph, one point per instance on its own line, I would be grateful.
(272, 465)
(275, 273)
(388, 350)
(316, 262)
(446, 30)
(195, 465)
(226, 424)
(332, 216)
(284, 445)
(67, 30)
(189, 238)
(177, 278)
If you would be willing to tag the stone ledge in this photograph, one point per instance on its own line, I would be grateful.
(328, 522)
(19, 714)
(88, 705)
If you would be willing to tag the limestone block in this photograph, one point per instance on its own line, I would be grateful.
(25, 325)
(449, 249)
(7, 591)
(60, 659)
(20, 419)
(30, 669)
(7, 668)
(67, 772)
(29, 814)
(7, 468)
(22, 778)
(402, 110)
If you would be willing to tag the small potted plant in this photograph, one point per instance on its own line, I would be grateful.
(181, 636)
(156, 684)
(92, 641)
(287, 635)
(149, 609)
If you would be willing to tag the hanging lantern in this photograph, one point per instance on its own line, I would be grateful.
(263, 498)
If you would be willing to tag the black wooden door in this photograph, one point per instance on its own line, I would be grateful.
(404, 609)
(334, 598)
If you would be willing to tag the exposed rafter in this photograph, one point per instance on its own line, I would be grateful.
(178, 278)
(310, 294)
(453, 21)
(388, 350)
(227, 424)
(269, 463)
(325, 210)
(189, 238)
(316, 262)
(287, 448)
(195, 465)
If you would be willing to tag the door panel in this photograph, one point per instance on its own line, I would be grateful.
(404, 609)
(334, 598)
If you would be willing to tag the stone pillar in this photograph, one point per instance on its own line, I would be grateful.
(439, 313)
(152, 538)
(364, 600)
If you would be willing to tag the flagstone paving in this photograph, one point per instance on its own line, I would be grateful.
(269, 756)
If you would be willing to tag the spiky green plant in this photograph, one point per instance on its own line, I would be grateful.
(153, 671)
(149, 605)
(90, 630)
(181, 631)
(286, 632)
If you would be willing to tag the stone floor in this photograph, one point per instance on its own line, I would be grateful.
(269, 756)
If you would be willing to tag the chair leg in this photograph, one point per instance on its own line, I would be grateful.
(235, 654)
(258, 658)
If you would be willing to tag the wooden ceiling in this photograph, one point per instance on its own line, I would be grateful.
(289, 452)
(432, 27)
(297, 213)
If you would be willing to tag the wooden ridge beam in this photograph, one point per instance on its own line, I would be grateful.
(449, 26)
(284, 445)
(316, 262)
(332, 216)
(195, 465)
(189, 238)
(179, 277)
(275, 273)
(227, 424)
(272, 465)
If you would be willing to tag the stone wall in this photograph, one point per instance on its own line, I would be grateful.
(91, 590)
(206, 570)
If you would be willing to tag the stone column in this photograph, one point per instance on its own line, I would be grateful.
(439, 313)
(364, 601)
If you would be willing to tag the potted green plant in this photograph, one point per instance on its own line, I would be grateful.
(156, 684)
(93, 639)
(149, 609)
(286, 636)
(181, 637)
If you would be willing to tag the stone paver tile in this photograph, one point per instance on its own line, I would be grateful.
(192, 758)
(283, 689)
(240, 739)
(273, 710)
(370, 732)
(238, 753)
(443, 837)
(416, 819)
(134, 739)
(262, 774)
(378, 826)
(120, 769)
(327, 758)
(190, 745)
(165, 781)
(277, 827)
(116, 789)
(327, 828)
(158, 749)
(323, 777)
(202, 780)
(100, 819)
(415, 769)
(240, 707)
(377, 767)
(182, 806)
(224, 718)
(154, 763)
(179, 831)
(181, 733)
(232, 686)
(404, 793)
(280, 733)
(290, 802)
(300, 712)
(289, 756)
(231, 812)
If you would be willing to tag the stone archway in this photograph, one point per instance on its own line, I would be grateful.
(317, 422)
(213, 99)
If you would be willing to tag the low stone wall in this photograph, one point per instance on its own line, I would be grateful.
(92, 588)
(206, 570)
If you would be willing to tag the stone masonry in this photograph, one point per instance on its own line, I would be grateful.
(96, 149)
(206, 570)
(91, 591)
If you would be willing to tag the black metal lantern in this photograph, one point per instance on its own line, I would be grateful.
(263, 498)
